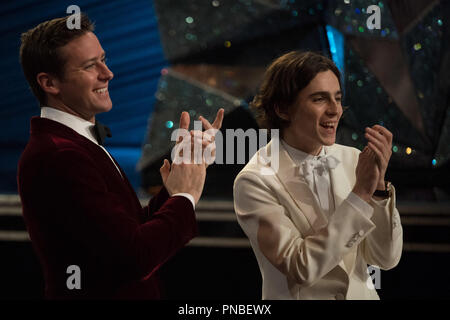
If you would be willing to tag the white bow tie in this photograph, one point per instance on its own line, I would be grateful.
(321, 163)
(315, 172)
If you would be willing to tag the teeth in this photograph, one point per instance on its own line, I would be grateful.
(103, 90)
(328, 124)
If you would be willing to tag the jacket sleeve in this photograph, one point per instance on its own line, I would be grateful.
(101, 220)
(273, 234)
(383, 247)
(155, 203)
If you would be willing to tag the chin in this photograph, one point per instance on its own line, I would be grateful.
(105, 108)
(328, 142)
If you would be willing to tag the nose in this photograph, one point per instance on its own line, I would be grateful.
(105, 74)
(334, 107)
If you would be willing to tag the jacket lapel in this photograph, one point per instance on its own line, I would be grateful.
(296, 186)
(341, 187)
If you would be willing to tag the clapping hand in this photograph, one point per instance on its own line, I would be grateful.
(380, 143)
(367, 174)
(189, 176)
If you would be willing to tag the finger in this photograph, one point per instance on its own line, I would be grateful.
(200, 137)
(377, 135)
(384, 131)
(196, 134)
(165, 170)
(375, 158)
(217, 124)
(365, 152)
(210, 157)
(204, 143)
(379, 155)
(184, 120)
(208, 137)
(167, 165)
(205, 123)
(182, 135)
(381, 142)
(178, 155)
(196, 146)
(380, 129)
(198, 142)
(381, 145)
(370, 154)
(373, 147)
(184, 125)
(202, 134)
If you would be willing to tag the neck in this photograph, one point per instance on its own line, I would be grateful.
(56, 104)
(310, 148)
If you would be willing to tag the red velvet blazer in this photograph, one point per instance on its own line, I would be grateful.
(80, 211)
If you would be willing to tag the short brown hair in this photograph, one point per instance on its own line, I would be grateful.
(282, 82)
(39, 49)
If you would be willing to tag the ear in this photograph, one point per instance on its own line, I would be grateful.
(281, 114)
(48, 83)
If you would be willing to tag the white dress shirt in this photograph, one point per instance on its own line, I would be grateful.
(301, 159)
(86, 129)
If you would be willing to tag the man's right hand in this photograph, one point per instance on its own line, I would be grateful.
(367, 175)
(184, 178)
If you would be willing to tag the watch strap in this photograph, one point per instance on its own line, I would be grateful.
(386, 193)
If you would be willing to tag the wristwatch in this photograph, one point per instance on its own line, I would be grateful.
(386, 193)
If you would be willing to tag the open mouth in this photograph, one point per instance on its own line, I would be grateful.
(101, 91)
(329, 126)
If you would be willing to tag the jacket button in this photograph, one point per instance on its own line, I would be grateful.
(339, 296)
(361, 233)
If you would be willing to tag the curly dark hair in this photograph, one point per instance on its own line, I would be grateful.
(282, 82)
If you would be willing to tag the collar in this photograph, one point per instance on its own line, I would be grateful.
(81, 126)
(299, 156)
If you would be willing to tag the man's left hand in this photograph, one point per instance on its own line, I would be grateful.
(380, 142)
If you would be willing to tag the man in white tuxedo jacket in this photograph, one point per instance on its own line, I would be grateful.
(316, 212)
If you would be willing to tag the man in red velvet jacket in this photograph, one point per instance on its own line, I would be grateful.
(80, 210)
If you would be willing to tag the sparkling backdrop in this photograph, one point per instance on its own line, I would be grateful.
(392, 76)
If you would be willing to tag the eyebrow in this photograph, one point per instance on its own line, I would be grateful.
(93, 59)
(324, 93)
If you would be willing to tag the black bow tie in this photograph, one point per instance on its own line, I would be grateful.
(101, 131)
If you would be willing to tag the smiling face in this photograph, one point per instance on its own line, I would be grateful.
(84, 89)
(315, 115)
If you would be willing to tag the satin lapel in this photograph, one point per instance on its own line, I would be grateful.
(340, 186)
(293, 182)
(102, 156)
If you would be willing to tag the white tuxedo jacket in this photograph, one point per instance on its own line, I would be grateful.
(302, 254)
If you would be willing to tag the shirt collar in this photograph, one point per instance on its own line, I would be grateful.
(81, 126)
(299, 156)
